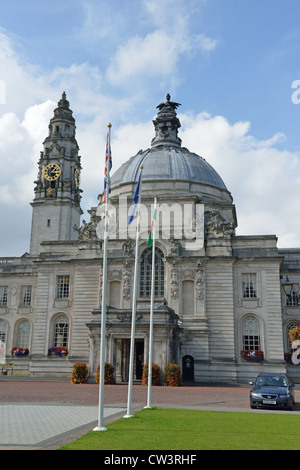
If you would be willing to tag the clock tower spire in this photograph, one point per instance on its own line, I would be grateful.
(56, 205)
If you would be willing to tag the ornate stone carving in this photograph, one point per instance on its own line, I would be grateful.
(128, 248)
(174, 247)
(89, 231)
(200, 281)
(126, 279)
(187, 273)
(174, 281)
(216, 225)
(115, 275)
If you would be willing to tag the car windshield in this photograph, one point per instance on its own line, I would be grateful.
(271, 381)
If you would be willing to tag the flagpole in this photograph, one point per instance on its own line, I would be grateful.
(130, 379)
(151, 315)
(101, 426)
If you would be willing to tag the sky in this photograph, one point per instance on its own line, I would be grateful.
(234, 65)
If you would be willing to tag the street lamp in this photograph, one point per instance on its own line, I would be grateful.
(287, 287)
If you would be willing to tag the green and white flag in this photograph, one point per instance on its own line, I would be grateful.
(149, 241)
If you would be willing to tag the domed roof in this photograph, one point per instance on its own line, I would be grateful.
(166, 159)
(168, 163)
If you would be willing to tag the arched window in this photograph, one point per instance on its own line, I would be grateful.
(145, 274)
(290, 326)
(23, 334)
(2, 330)
(61, 331)
(251, 334)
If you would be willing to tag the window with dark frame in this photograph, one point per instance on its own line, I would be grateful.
(146, 273)
(61, 332)
(251, 334)
(3, 296)
(26, 296)
(63, 287)
(249, 285)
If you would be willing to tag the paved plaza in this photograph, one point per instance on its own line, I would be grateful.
(46, 414)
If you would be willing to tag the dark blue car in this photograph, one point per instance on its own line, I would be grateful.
(272, 390)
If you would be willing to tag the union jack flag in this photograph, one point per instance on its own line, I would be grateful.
(108, 164)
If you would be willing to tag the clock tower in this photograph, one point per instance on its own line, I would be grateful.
(56, 206)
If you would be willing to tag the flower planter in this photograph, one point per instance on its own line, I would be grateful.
(155, 375)
(80, 373)
(253, 356)
(108, 374)
(59, 351)
(172, 375)
(19, 352)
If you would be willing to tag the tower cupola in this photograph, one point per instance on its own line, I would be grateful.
(56, 205)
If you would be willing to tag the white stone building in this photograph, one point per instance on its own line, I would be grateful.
(216, 293)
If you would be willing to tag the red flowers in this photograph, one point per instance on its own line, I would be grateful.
(58, 351)
(19, 352)
(252, 356)
(294, 334)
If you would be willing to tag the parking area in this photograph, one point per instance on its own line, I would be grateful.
(45, 414)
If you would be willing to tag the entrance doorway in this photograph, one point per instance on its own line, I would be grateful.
(139, 358)
(188, 369)
(122, 359)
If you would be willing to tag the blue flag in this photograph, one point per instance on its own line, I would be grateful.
(135, 201)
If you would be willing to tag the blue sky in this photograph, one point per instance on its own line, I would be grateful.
(230, 63)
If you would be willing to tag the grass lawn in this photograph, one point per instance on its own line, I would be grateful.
(177, 429)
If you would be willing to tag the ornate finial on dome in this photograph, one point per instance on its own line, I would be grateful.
(167, 124)
(64, 102)
(169, 103)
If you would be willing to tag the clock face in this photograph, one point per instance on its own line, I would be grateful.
(77, 178)
(52, 172)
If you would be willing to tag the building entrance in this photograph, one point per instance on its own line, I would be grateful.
(188, 368)
(122, 359)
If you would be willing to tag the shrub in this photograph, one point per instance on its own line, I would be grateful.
(172, 375)
(155, 374)
(80, 373)
(108, 374)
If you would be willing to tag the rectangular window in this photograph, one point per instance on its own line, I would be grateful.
(3, 296)
(26, 296)
(251, 342)
(63, 287)
(293, 299)
(249, 285)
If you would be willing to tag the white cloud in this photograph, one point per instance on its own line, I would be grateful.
(156, 53)
(264, 180)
